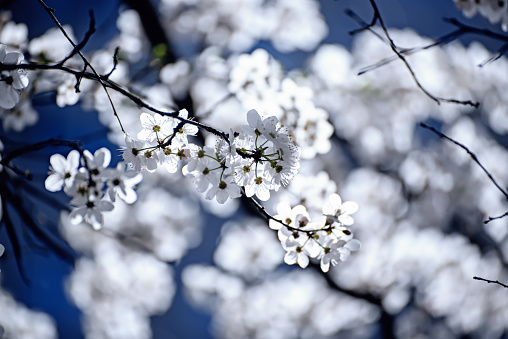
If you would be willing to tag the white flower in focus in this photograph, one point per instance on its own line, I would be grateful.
(296, 254)
(186, 130)
(138, 157)
(204, 172)
(339, 211)
(259, 187)
(244, 171)
(155, 127)
(169, 158)
(227, 188)
(63, 171)
(226, 149)
(11, 81)
(330, 254)
(288, 215)
(335, 251)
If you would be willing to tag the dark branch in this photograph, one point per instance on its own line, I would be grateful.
(87, 64)
(115, 64)
(475, 159)
(491, 281)
(81, 45)
(377, 18)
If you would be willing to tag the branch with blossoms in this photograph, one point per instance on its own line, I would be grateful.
(254, 161)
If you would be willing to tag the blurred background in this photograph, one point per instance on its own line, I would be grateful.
(174, 265)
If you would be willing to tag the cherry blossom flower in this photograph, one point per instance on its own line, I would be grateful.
(63, 171)
(339, 211)
(260, 187)
(121, 182)
(135, 154)
(227, 188)
(155, 127)
(11, 81)
(66, 93)
(186, 130)
(98, 161)
(91, 213)
(296, 254)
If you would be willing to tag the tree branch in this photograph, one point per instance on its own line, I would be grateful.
(400, 55)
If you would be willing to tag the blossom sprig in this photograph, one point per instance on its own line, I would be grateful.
(91, 184)
(259, 158)
(326, 238)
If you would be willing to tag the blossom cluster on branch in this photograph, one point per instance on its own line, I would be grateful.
(256, 159)
(92, 186)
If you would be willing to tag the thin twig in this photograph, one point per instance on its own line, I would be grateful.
(377, 18)
(475, 159)
(471, 154)
(495, 218)
(81, 45)
(87, 64)
(115, 64)
(491, 281)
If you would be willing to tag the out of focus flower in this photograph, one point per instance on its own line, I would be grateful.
(121, 182)
(91, 212)
(11, 82)
(493, 10)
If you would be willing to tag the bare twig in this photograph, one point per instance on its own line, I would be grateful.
(87, 63)
(115, 64)
(81, 45)
(475, 159)
(400, 55)
(495, 218)
(491, 281)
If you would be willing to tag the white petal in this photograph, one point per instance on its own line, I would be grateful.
(73, 159)
(76, 216)
(54, 182)
(290, 258)
(103, 156)
(222, 196)
(325, 264)
(353, 245)
(303, 260)
(94, 218)
(263, 193)
(346, 220)
(349, 207)
(253, 118)
(58, 162)
(129, 196)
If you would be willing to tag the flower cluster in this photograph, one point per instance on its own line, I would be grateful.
(93, 187)
(162, 141)
(11, 82)
(259, 158)
(326, 237)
